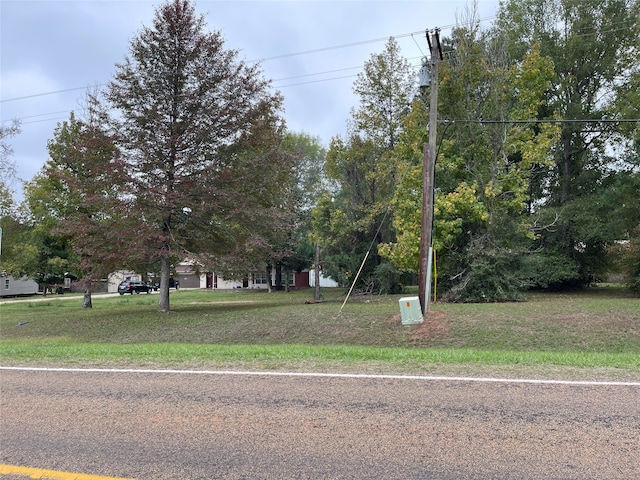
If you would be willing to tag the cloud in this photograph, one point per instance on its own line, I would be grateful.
(27, 77)
(312, 50)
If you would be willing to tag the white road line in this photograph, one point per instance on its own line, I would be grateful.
(330, 375)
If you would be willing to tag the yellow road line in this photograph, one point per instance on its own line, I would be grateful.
(50, 474)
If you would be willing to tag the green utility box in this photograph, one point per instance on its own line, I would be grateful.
(410, 310)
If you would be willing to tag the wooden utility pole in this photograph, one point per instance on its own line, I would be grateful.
(428, 179)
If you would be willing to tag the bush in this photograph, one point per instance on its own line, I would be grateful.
(549, 271)
(488, 278)
(388, 279)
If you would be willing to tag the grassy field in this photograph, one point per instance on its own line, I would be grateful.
(589, 334)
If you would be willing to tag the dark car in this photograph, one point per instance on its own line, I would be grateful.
(132, 286)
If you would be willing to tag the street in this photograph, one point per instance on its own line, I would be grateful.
(174, 425)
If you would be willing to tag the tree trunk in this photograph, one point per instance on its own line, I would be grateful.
(86, 302)
(163, 291)
(565, 171)
(269, 278)
(316, 272)
(278, 276)
(286, 280)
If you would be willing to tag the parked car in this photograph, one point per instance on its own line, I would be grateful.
(133, 286)
(155, 286)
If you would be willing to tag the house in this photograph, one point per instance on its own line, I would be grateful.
(116, 278)
(188, 275)
(188, 278)
(13, 287)
(324, 281)
(255, 280)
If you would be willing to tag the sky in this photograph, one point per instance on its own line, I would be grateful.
(52, 51)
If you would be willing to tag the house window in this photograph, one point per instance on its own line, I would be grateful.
(260, 279)
(7, 284)
(292, 280)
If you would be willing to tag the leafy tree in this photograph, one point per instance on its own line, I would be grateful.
(594, 46)
(310, 181)
(200, 132)
(483, 169)
(307, 184)
(362, 169)
(8, 212)
(43, 257)
(80, 196)
(284, 245)
(7, 166)
(26, 249)
(13, 229)
(34, 251)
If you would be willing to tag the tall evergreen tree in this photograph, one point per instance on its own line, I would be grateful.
(199, 130)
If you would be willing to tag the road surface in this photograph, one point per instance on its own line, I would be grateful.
(173, 425)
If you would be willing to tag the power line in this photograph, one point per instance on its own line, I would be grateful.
(55, 119)
(585, 120)
(306, 52)
(357, 44)
(264, 59)
(48, 93)
(316, 81)
(274, 81)
(314, 74)
(334, 47)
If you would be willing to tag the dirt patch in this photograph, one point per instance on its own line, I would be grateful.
(435, 325)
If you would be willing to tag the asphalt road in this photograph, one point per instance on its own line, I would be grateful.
(208, 426)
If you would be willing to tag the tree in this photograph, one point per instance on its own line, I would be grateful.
(25, 250)
(283, 246)
(7, 166)
(483, 169)
(29, 249)
(79, 196)
(13, 229)
(363, 170)
(8, 213)
(301, 194)
(594, 46)
(200, 132)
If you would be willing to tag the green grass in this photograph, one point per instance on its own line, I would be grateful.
(596, 330)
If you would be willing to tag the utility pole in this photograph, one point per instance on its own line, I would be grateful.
(428, 178)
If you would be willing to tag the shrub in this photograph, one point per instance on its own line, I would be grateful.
(491, 277)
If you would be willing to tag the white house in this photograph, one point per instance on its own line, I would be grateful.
(116, 278)
(188, 276)
(11, 287)
(185, 274)
(324, 281)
